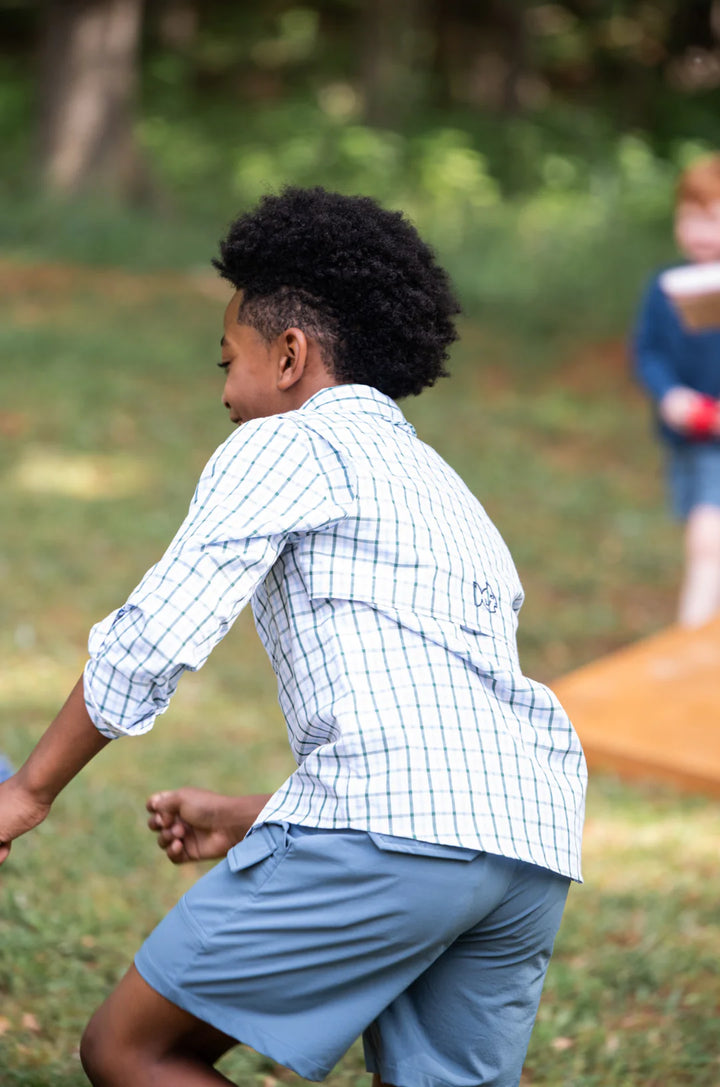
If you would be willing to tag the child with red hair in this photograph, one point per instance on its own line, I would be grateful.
(680, 368)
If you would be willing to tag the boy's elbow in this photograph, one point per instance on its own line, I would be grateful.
(119, 705)
(114, 729)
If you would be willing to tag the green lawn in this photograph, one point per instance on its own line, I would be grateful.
(109, 406)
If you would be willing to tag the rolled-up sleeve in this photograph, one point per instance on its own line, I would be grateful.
(269, 480)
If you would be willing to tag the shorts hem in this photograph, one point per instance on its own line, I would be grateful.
(273, 1048)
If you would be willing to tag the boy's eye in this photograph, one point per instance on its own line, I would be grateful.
(223, 365)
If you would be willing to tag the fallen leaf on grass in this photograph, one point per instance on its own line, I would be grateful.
(13, 424)
(29, 1022)
(561, 1044)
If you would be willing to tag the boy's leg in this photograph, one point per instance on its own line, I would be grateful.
(138, 1037)
(700, 592)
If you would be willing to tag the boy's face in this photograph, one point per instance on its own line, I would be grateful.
(697, 230)
(251, 367)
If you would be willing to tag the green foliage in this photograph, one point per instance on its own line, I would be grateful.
(569, 252)
(549, 216)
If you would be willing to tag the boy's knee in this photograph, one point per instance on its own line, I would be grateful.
(91, 1053)
(99, 1056)
(703, 533)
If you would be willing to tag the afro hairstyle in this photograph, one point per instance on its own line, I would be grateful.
(354, 276)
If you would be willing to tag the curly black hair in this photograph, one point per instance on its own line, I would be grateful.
(355, 276)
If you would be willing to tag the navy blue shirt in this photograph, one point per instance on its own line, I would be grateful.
(667, 354)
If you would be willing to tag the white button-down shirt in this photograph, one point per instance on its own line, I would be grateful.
(387, 603)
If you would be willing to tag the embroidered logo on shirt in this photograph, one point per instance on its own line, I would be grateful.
(485, 597)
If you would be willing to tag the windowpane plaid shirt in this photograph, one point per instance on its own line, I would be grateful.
(387, 603)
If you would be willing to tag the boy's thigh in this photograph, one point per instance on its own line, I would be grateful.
(468, 1018)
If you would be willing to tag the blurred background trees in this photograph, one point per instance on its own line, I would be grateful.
(88, 75)
(520, 135)
(650, 66)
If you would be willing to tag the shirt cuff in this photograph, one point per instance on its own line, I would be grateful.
(104, 726)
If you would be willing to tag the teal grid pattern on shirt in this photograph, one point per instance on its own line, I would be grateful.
(388, 604)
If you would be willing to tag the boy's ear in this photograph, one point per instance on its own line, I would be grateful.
(292, 348)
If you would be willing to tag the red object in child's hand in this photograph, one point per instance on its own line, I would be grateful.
(703, 418)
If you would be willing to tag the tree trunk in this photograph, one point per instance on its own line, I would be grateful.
(392, 76)
(178, 23)
(480, 56)
(89, 59)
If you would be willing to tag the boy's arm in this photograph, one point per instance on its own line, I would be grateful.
(264, 484)
(67, 745)
(655, 330)
(683, 409)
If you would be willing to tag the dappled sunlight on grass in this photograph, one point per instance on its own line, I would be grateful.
(675, 836)
(32, 679)
(89, 476)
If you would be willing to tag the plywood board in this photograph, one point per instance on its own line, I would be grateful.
(652, 710)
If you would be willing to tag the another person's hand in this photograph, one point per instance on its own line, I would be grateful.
(690, 412)
(20, 811)
(197, 824)
(677, 405)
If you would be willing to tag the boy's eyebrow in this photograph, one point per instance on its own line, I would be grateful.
(222, 341)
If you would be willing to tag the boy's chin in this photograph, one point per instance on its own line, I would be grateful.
(703, 256)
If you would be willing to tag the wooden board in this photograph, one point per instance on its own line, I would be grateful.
(652, 710)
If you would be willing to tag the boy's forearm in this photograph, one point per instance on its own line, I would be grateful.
(69, 743)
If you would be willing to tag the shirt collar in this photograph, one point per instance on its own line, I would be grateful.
(354, 399)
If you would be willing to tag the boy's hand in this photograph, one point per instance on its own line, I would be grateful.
(66, 746)
(690, 412)
(20, 811)
(196, 824)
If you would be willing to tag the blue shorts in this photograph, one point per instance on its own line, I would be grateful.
(303, 939)
(693, 475)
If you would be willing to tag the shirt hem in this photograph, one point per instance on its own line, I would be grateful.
(478, 845)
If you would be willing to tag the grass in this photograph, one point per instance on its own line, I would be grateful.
(109, 406)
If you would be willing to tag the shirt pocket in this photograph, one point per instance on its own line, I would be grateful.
(472, 604)
(389, 843)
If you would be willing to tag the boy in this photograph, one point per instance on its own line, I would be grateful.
(680, 369)
(408, 880)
